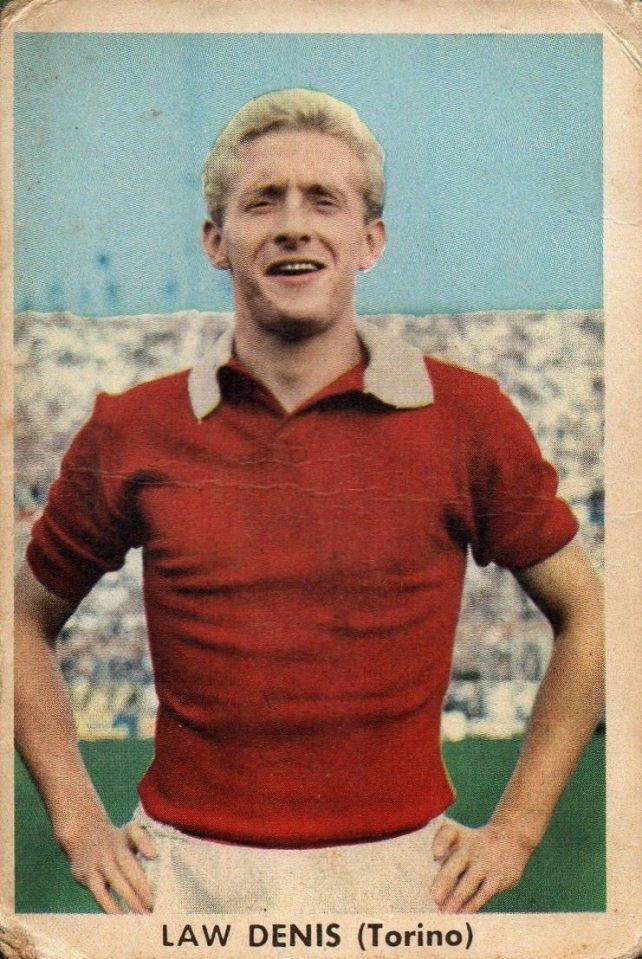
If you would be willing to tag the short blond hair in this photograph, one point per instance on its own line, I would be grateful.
(293, 109)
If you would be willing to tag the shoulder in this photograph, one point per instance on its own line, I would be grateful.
(476, 405)
(460, 386)
(145, 402)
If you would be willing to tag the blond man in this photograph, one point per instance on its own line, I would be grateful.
(305, 497)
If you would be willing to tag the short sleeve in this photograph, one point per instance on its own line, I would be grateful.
(519, 518)
(90, 521)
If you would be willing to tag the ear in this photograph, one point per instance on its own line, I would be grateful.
(374, 243)
(214, 245)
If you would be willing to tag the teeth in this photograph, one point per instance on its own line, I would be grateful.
(303, 266)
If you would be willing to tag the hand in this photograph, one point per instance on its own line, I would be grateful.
(103, 858)
(476, 864)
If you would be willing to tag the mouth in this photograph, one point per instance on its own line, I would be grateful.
(294, 267)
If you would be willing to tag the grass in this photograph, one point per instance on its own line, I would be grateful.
(565, 874)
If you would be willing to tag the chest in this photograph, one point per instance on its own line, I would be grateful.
(331, 493)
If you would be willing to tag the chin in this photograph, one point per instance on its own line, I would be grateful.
(292, 329)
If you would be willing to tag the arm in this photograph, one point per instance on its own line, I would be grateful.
(479, 863)
(101, 857)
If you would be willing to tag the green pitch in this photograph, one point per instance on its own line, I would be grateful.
(566, 873)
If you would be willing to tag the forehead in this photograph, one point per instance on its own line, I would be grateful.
(304, 156)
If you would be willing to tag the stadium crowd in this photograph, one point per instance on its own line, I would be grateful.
(549, 363)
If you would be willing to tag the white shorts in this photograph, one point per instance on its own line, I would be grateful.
(197, 875)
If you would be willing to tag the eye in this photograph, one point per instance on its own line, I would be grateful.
(324, 201)
(261, 204)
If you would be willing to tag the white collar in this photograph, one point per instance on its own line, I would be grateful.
(396, 372)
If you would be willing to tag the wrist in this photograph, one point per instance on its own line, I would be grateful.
(527, 833)
(77, 819)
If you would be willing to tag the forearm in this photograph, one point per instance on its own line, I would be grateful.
(565, 713)
(476, 864)
(44, 726)
(101, 857)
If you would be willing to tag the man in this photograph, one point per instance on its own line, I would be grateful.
(305, 498)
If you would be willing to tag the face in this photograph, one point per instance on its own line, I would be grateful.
(294, 234)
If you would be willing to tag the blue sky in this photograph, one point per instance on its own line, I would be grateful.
(493, 162)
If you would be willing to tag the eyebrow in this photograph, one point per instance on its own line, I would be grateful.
(276, 190)
(269, 189)
(317, 189)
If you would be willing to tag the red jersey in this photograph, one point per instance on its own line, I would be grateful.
(302, 578)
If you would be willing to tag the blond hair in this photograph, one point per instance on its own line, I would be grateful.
(293, 109)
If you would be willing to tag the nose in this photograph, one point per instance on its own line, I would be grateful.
(292, 227)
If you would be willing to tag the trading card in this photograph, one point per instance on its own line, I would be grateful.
(324, 432)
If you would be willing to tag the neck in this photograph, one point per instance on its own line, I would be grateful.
(295, 369)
